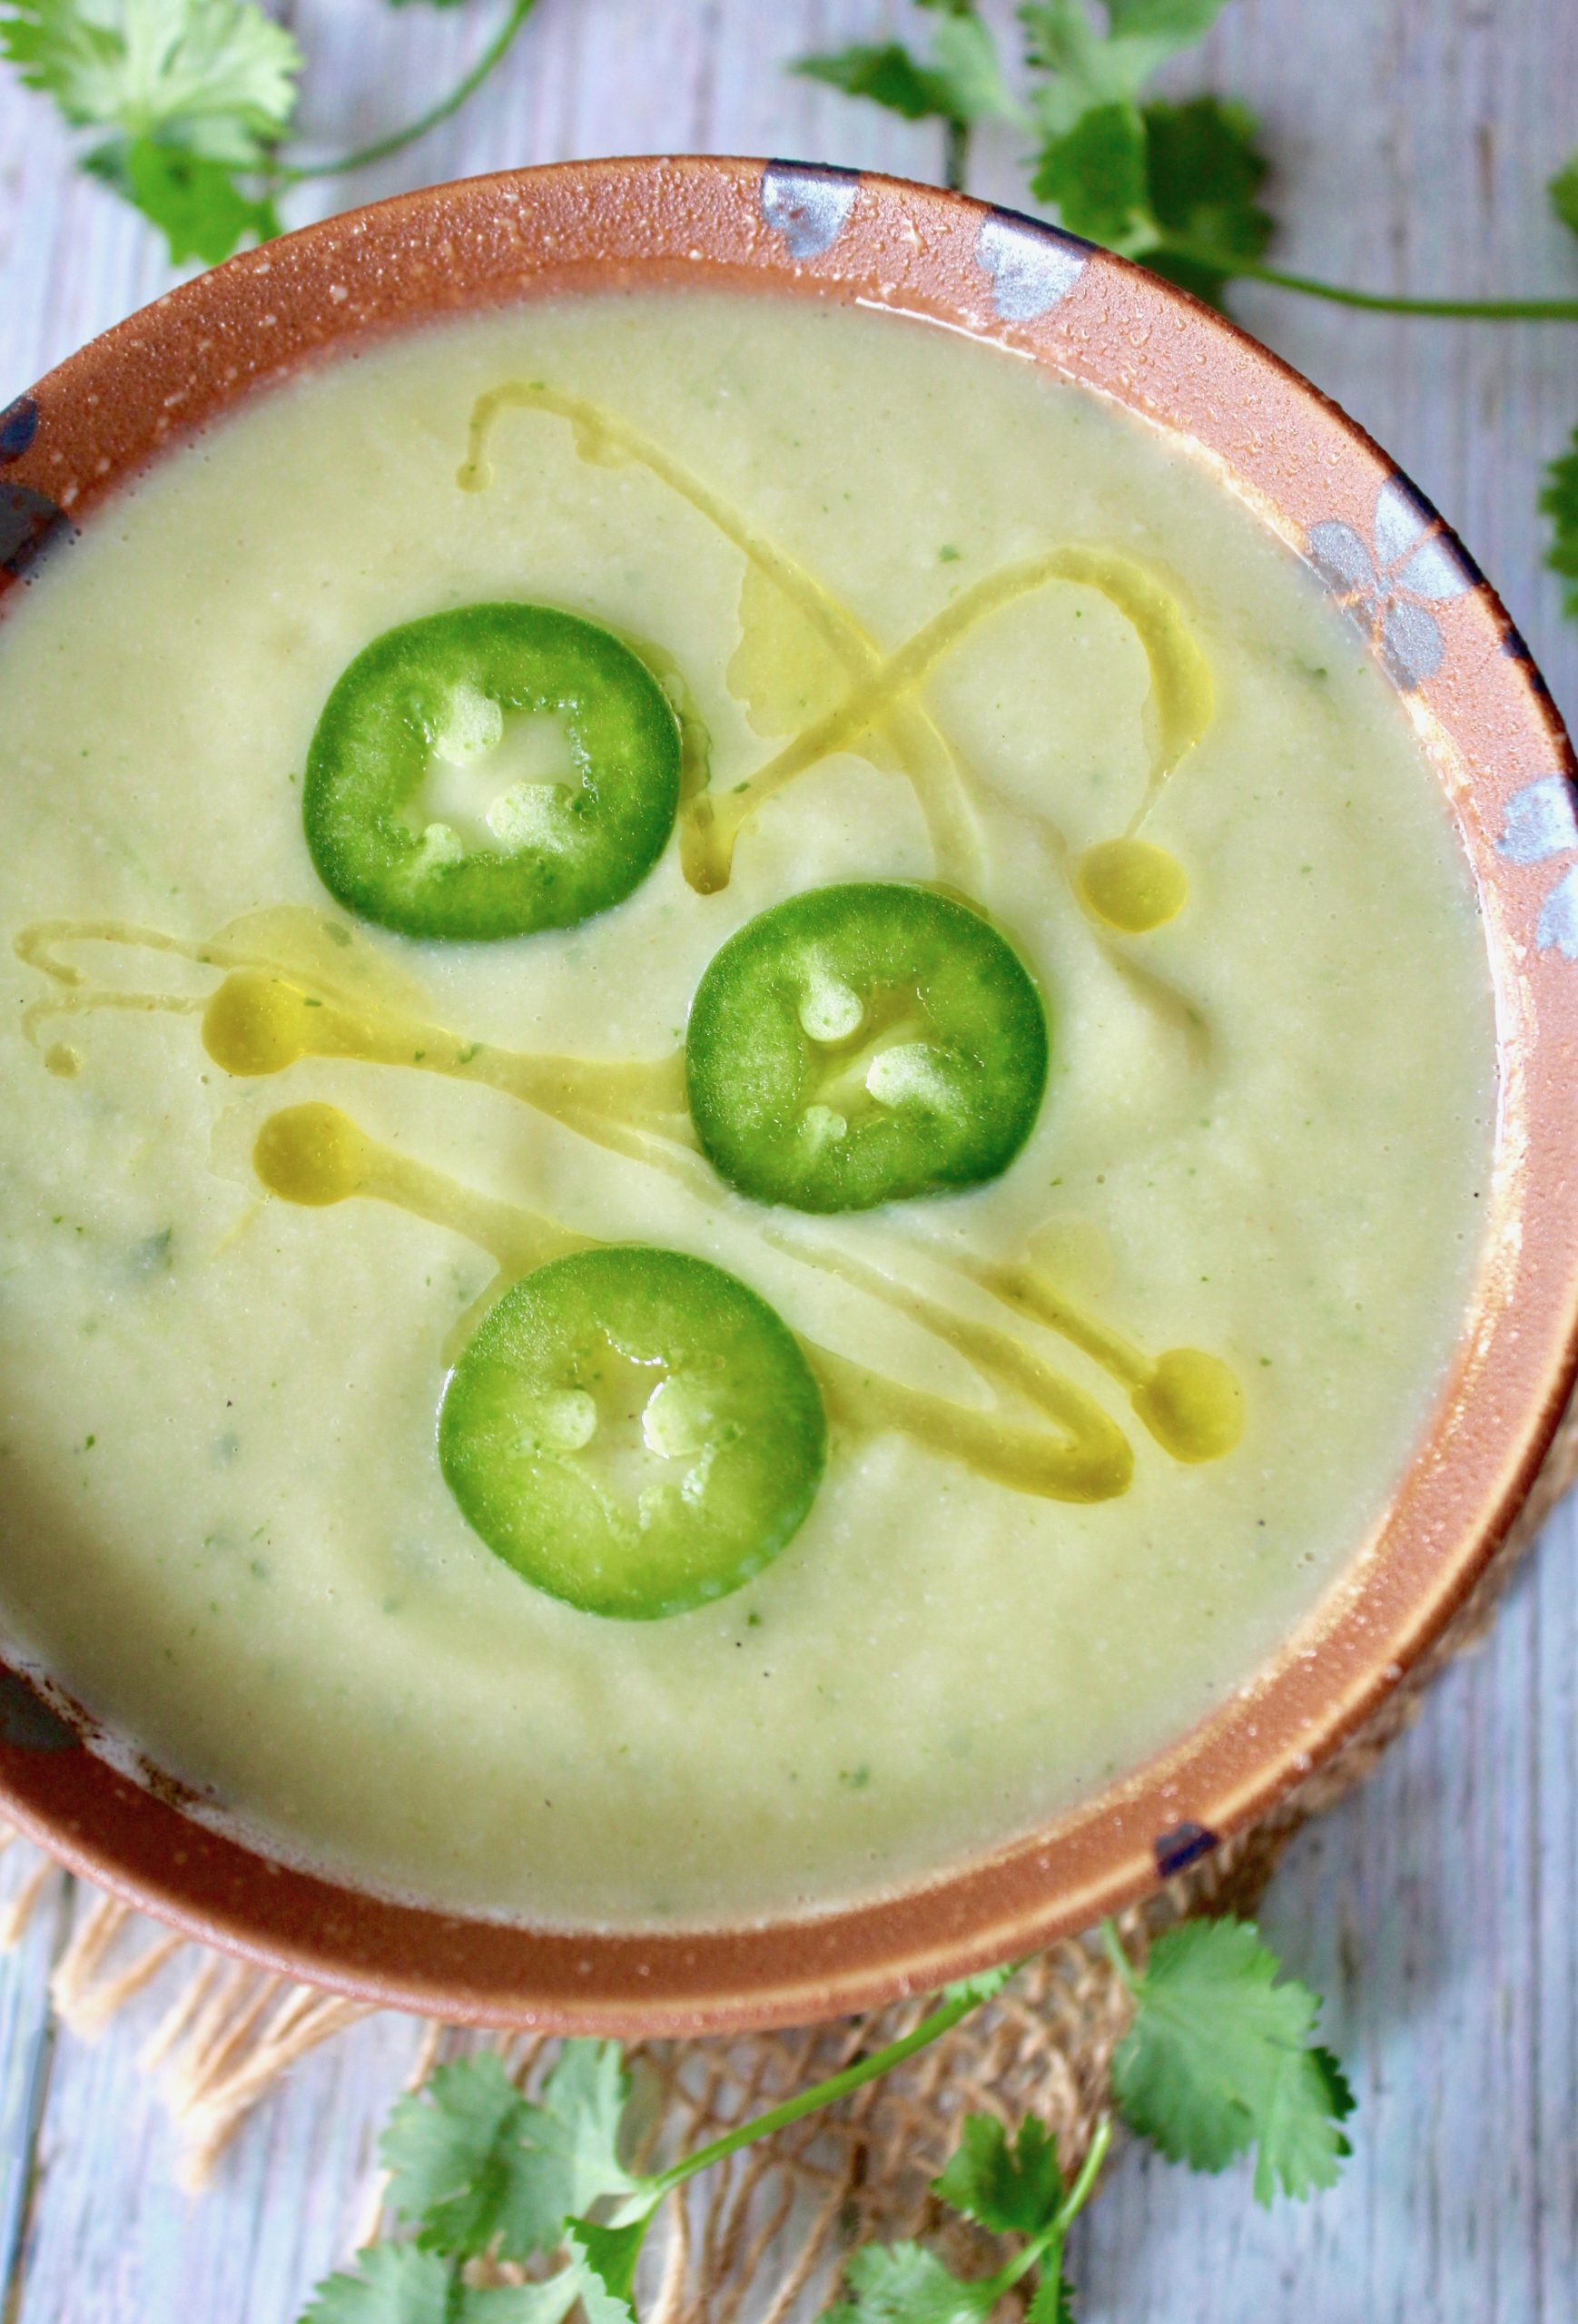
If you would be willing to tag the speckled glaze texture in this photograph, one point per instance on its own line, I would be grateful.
(1479, 707)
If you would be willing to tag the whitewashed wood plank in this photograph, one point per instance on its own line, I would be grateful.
(621, 76)
(1435, 1908)
(113, 2238)
(26, 2042)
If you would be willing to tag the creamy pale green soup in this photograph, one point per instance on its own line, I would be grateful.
(981, 630)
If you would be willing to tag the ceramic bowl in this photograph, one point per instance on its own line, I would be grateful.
(1473, 696)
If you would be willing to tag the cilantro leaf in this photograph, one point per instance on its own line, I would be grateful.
(475, 2165)
(1085, 68)
(602, 2264)
(1180, 23)
(1219, 2056)
(1559, 501)
(394, 2283)
(960, 82)
(985, 1985)
(397, 2283)
(1142, 177)
(1300, 2149)
(889, 75)
(578, 2121)
(1563, 192)
(1203, 170)
(1053, 2302)
(964, 60)
(193, 90)
(459, 2165)
(216, 76)
(1008, 2190)
(903, 2283)
(1096, 175)
(195, 202)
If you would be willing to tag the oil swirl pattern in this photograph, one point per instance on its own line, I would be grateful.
(293, 984)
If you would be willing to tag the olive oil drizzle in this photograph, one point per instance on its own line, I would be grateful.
(604, 439)
(1188, 1400)
(1125, 884)
(1180, 694)
(280, 1000)
(297, 985)
(315, 1155)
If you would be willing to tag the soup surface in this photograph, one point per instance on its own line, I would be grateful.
(1099, 1426)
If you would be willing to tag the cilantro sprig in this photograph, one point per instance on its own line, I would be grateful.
(1173, 185)
(1011, 2190)
(1154, 180)
(1176, 186)
(187, 104)
(1559, 501)
(185, 98)
(478, 2170)
(1218, 2056)
(958, 83)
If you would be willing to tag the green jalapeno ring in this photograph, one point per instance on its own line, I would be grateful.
(564, 851)
(633, 1431)
(861, 1044)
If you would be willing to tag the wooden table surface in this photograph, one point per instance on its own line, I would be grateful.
(1438, 1908)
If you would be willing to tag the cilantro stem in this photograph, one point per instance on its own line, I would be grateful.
(956, 155)
(1047, 2248)
(1337, 294)
(1046, 2245)
(822, 2094)
(1112, 1946)
(1079, 2194)
(398, 139)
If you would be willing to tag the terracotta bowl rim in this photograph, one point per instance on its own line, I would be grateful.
(1475, 696)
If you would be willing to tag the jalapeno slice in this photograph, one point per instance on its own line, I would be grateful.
(558, 744)
(864, 1044)
(633, 1431)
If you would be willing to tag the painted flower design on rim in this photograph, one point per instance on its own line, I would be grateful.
(1541, 822)
(1388, 586)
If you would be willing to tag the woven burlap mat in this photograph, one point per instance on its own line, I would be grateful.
(764, 2234)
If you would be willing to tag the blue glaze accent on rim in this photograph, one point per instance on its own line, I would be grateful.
(27, 1724)
(809, 203)
(1032, 266)
(1184, 1844)
(18, 427)
(29, 522)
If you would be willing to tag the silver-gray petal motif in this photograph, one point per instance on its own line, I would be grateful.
(809, 207)
(1031, 267)
(1411, 644)
(1399, 520)
(1435, 571)
(1386, 591)
(1557, 926)
(1341, 558)
(1540, 821)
